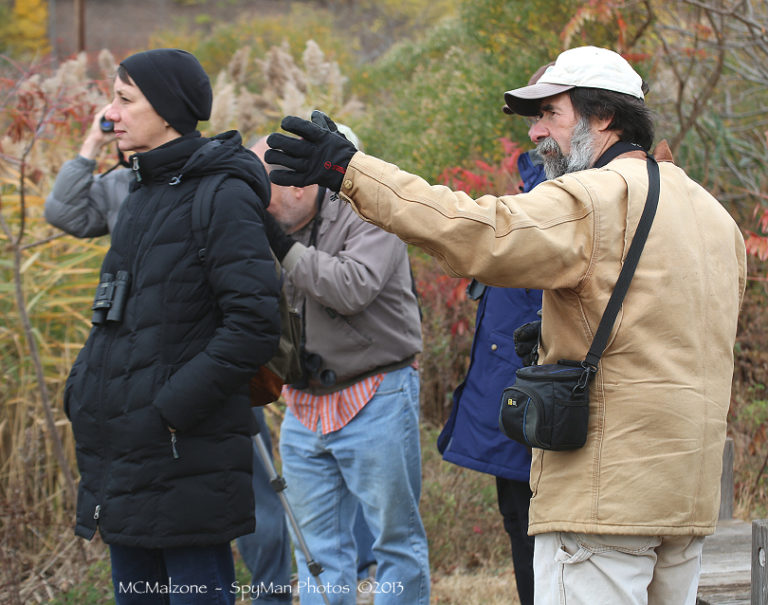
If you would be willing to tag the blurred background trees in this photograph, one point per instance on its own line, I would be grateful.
(24, 27)
(421, 82)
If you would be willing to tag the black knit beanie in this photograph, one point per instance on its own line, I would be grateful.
(174, 83)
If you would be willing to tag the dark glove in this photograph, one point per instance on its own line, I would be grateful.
(526, 339)
(323, 121)
(279, 240)
(320, 156)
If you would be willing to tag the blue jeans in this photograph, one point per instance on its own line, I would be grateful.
(188, 575)
(374, 460)
(364, 543)
(267, 551)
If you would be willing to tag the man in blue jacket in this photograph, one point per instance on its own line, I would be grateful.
(471, 437)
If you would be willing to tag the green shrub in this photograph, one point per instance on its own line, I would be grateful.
(260, 33)
(438, 100)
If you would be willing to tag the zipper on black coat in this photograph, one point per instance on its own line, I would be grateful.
(109, 338)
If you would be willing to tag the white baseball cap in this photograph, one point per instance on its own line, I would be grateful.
(586, 67)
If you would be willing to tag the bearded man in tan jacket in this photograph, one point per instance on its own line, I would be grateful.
(622, 519)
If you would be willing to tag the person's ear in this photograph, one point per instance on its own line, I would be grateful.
(602, 124)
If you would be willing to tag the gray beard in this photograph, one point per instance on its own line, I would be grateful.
(579, 158)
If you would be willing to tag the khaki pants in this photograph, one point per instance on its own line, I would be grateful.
(581, 569)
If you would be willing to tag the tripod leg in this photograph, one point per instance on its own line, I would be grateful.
(278, 484)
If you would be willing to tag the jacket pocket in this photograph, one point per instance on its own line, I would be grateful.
(583, 561)
(501, 347)
(342, 329)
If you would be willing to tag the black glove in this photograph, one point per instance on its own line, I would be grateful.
(526, 339)
(320, 156)
(323, 121)
(279, 240)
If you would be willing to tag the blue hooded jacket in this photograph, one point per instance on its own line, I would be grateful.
(471, 437)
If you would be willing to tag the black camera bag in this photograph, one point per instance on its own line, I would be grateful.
(548, 406)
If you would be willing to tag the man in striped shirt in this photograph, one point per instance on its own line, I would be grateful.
(350, 436)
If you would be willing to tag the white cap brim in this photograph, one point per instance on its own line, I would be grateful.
(524, 101)
(582, 67)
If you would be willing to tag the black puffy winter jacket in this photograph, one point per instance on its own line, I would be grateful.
(191, 335)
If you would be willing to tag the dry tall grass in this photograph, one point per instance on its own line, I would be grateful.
(45, 284)
(288, 88)
(481, 587)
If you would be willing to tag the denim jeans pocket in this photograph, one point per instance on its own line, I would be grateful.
(404, 380)
(412, 384)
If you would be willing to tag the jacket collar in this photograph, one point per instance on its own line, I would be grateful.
(662, 152)
(166, 161)
(330, 206)
(615, 150)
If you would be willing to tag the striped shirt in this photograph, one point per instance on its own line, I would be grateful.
(333, 410)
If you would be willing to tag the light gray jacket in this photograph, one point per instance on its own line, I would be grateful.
(85, 205)
(355, 287)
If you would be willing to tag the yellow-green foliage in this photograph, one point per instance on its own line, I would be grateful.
(26, 32)
(416, 12)
(260, 33)
(268, 66)
(442, 95)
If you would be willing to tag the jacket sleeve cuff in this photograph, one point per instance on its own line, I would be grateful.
(85, 162)
(291, 259)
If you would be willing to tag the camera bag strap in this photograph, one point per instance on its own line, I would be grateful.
(600, 341)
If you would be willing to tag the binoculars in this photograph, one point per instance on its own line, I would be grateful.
(111, 294)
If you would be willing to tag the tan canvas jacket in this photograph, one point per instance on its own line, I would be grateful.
(658, 404)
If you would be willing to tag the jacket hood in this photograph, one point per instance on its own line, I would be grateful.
(225, 153)
(192, 156)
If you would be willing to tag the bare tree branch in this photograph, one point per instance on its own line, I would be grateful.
(706, 92)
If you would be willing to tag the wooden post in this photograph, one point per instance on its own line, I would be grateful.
(52, 32)
(759, 564)
(726, 482)
(80, 24)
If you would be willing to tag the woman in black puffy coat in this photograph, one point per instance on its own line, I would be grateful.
(158, 396)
